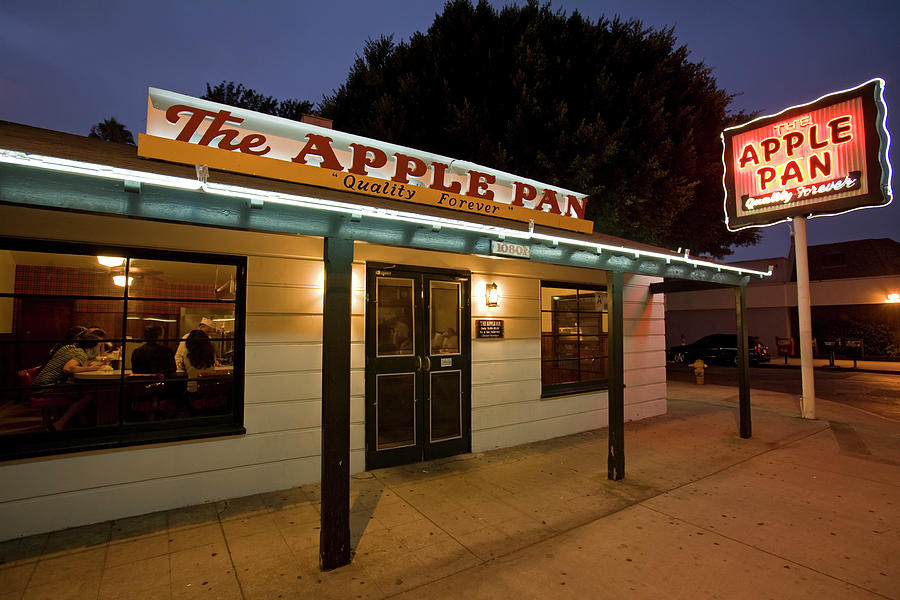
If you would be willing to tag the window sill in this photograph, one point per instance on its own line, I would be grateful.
(572, 389)
(133, 440)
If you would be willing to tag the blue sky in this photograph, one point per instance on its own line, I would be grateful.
(69, 65)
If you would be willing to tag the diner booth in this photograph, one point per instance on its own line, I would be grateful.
(351, 330)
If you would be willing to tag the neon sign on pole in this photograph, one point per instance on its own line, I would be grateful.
(823, 158)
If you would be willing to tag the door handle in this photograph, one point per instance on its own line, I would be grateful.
(427, 363)
(418, 363)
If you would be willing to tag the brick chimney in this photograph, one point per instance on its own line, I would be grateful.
(318, 121)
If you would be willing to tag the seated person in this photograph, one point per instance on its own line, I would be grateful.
(104, 347)
(451, 340)
(74, 332)
(207, 326)
(72, 358)
(152, 357)
(199, 358)
(445, 341)
(69, 359)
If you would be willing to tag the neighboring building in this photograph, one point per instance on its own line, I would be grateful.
(852, 293)
(321, 300)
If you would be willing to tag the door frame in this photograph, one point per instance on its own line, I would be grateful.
(423, 449)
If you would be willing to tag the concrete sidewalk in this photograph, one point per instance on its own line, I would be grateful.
(803, 509)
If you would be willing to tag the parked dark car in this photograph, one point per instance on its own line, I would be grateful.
(718, 348)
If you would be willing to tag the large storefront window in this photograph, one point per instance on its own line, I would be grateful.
(574, 331)
(105, 347)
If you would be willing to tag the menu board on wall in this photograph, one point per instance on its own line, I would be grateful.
(488, 328)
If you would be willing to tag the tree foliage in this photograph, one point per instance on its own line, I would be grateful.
(111, 130)
(242, 97)
(610, 108)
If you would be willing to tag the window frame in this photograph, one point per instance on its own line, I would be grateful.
(553, 390)
(132, 434)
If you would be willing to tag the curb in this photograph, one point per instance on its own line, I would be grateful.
(858, 369)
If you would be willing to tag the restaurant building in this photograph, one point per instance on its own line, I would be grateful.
(372, 305)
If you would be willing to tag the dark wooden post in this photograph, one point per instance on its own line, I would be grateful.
(616, 457)
(743, 360)
(334, 536)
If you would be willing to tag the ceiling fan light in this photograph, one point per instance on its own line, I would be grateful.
(111, 261)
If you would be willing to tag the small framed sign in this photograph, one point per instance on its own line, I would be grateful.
(489, 328)
(508, 249)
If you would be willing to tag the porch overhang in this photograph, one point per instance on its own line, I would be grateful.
(241, 202)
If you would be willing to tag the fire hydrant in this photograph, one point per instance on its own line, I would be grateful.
(699, 365)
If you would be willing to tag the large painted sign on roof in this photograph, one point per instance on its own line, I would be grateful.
(193, 131)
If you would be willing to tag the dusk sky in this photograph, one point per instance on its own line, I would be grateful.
(67, 65)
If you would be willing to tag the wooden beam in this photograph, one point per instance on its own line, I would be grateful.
(68, 191)
(616, 394)
(334, 535)
(743, 356)
(684, 285)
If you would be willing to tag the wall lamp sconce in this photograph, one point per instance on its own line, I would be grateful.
(895, 297)
(491, 295)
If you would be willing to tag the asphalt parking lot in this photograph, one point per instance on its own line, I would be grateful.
(874, 392)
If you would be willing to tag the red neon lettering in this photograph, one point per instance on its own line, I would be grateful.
(814, 142)
(319, 145)
(791, 171)
(549, 199)
(406, 166)
(749, 155)
(770, 146)
(766, 176)
(839, 127)
(792, 141)
(440, 173)
(478, 185)
(522, 192)
(361, 159)
(803, 121)
(819, 167)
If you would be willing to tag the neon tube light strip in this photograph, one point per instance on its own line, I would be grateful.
(115, 173)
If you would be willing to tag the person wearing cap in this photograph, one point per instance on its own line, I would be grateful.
(206, 326)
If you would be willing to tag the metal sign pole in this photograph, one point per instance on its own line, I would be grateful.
(808, 398)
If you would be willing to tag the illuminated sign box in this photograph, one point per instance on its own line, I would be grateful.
(822, 158)
(193, 131)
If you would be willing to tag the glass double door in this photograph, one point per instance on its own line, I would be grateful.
(417, 365)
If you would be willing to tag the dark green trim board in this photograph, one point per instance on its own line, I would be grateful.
(31, 186)
(743, 358)
(616, 396)
(334, 536)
